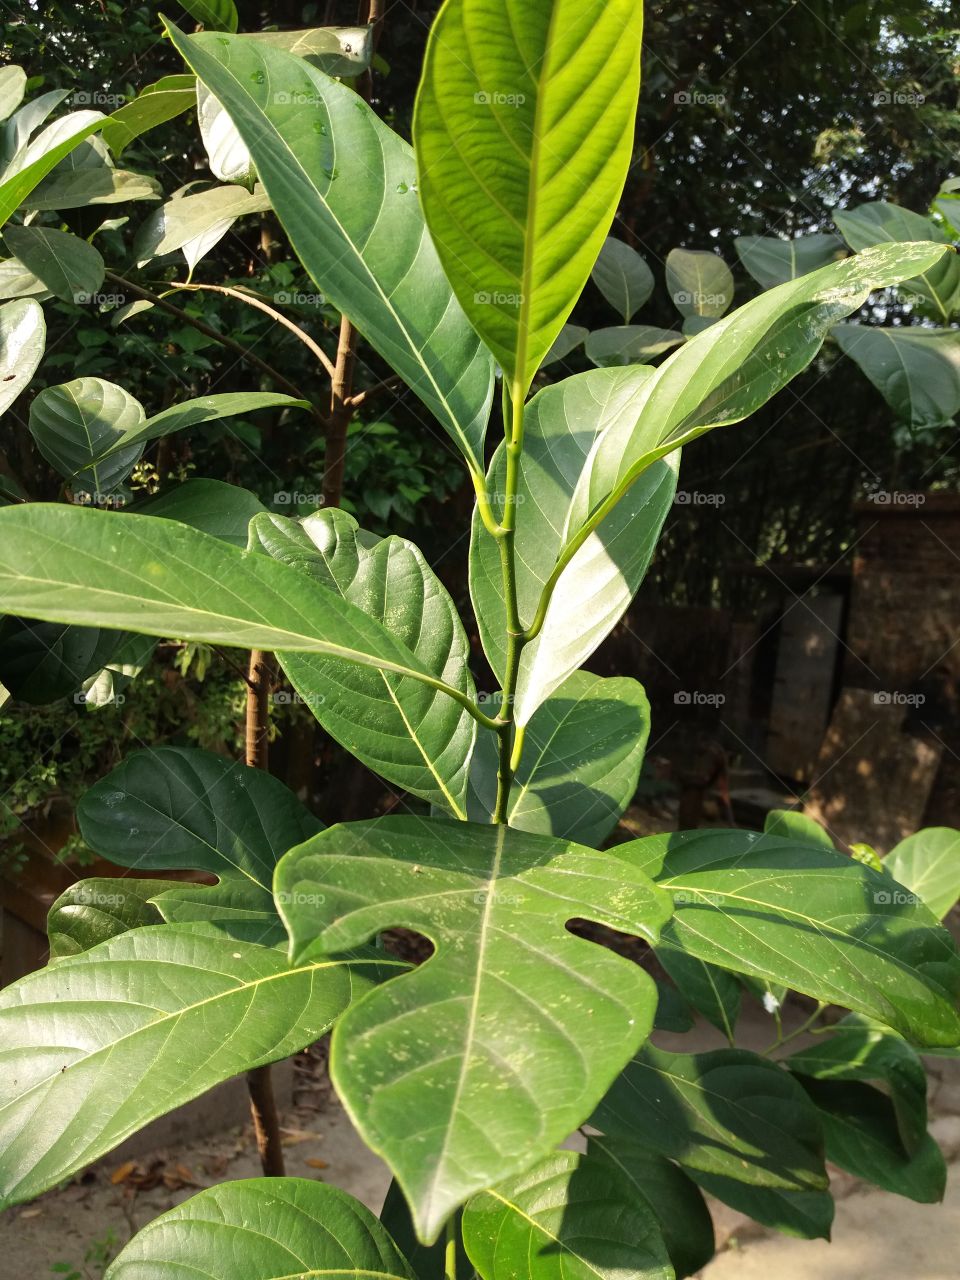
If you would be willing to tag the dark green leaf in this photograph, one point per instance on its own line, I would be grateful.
(91, 911)
(222, 510)
(75, 426)
(157, 103)
(180, 808)
(67, 265)
(629, 344)
(772, 261)
(916, 370)
(623, 277)
(700, 283)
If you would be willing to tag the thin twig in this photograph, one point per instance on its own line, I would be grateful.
(253, 301)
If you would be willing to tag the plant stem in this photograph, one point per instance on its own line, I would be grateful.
(242, 295)
(804, 1026)
(209, 332)
(341, 412)
(263, 1107)
(509, 756)
(450, 1251)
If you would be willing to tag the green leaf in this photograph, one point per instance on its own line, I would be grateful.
(215, 15)
(936, 287)
(106, 686)
(195, 223)
(180, 809)
(13, 85)
(168, 98)
(817, 921)
(568, 1218)
(726, 373)
(858, 1049)
(412, 735)
(596, 588)
(67, 265)
(928, 864)
(679, 1207)
(344, 187)
(24, 123)
(227, 154)
(148, 1020)
(807, 1214)
(712, 991)
(74, 426)
(700, 283)
(23, 336)
(192, 413)
(581, 761)
(222, 510)
(82, 187)
(17, 282)
(570, 337)
(797, 826)
(623, 277)
(629, 344)
(42, 662)
(91, 911)
(517, 205)
(263, 1229)
(484, 1058)
(727, 1112)
(31, 165)
(860, 1127)
(74, 564)
(916, 370)
(772, 261)
(337, 51)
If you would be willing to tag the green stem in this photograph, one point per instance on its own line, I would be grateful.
(450, 1251)
(805, 1026)
(509, 755)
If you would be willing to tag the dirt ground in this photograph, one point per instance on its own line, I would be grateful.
(875, 1235)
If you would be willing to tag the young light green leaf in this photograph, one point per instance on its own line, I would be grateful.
(629, 344)
(69, 267)
(479, 1062)
(772, 261)
(154, 1017)
(158, 577)
(623, 277)
(700, 283)
(21, 127)
(215, 15)
(92, 911)
(344, 187)
(728, 1112)
(413, 736)
(581, 761)
(566, 427)
(916, 370)
(35, 161)
(23, 336)
(13, 85)
(817, 921)
(263, 1229)
(680, 1209)
(74, 426)
(860, 1128)
(568, 1218)
(183, 809)
(928, 864)
(936, 287)
(195, 223)
(517, 203)
(168, 98)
